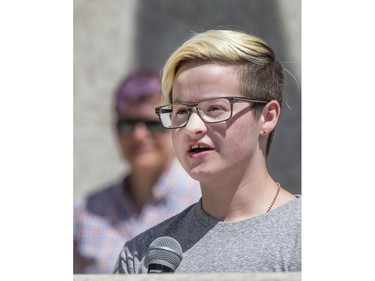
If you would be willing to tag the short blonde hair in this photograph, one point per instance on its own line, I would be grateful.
(261, 76)
(247, 52)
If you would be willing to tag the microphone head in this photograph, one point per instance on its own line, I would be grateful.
(164, 251)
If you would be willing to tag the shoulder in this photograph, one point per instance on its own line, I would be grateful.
(101, 200)
(131, 258)
(296, 205)
(165, 228)
(292, 204)
(286, 220)
(286, 216)
(292, 208)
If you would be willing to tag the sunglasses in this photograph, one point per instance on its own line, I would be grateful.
(126, 126)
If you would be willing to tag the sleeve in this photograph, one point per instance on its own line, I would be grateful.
(125, 262)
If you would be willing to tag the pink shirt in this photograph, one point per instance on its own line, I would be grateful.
(106, 219)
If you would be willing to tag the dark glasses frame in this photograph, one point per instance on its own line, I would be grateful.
(125, 126)
(232, 100)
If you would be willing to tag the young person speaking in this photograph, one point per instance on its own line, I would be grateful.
(223, 92)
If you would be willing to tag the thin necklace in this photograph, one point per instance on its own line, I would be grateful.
(274, 199)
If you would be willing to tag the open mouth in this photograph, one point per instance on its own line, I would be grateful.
(196, 148)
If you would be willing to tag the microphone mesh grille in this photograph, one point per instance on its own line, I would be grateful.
(166, 251)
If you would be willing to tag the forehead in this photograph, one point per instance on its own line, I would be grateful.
(142, 108)
(194, 82)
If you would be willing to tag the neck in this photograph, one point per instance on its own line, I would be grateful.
(235, 200)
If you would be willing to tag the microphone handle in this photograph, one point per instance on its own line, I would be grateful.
(159, 268)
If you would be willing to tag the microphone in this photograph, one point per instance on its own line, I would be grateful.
(164, 255)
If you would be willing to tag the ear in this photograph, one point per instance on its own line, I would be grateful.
(270, 116)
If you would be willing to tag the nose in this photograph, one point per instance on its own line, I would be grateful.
(140, 130)
(195, 124)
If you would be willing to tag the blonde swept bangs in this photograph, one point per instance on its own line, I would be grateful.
(223, 46)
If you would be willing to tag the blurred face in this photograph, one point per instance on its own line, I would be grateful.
(210, 151)
(143, 141)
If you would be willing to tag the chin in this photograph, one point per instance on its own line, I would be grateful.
(146, 163)
(199, 173)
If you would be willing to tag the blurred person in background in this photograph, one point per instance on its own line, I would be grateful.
(155, 188)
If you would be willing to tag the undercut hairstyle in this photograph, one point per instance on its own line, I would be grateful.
(261, 76)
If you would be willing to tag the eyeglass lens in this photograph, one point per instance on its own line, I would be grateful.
(211, 111)
(127, 126)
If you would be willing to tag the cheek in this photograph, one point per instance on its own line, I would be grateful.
(175, 140)
(178, 144)
(165, 143)
(244, 138)
(246, 133)
(125, 148)
(124, 143)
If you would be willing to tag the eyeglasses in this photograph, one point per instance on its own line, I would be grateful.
(213, 110)
(126, 126)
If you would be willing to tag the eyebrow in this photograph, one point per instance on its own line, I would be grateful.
(180, 101)
(196, 101)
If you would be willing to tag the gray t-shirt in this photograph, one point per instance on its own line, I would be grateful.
(270, 242)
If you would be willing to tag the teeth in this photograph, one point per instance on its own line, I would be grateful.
(195, 146)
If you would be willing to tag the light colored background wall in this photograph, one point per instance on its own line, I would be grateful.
(111, 37)
(103, 52)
